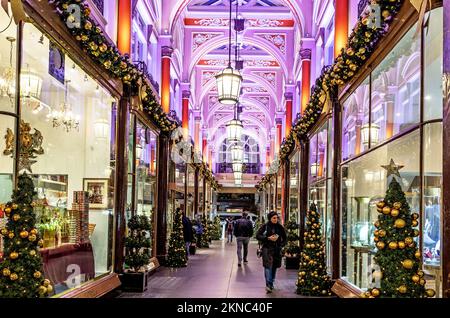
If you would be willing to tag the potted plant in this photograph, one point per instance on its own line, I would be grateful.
(292, 249)
(137, 254)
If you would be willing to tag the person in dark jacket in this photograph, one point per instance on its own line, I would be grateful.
(229, 229)
(187, 231)
(272, 237)
(243, 230)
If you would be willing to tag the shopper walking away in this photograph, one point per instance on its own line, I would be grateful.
(272, 236)
(187, 231)
(243, 230)
(230, 227)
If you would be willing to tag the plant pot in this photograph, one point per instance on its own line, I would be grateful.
(192, 249)
(292, 262)
(134, 282)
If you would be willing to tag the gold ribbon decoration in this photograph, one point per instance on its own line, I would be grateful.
(420, 6)
(17, 10)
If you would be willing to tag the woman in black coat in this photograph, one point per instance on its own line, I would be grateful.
(272, 237)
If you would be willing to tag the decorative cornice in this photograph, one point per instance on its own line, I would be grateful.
(186, 94)
(289, 96)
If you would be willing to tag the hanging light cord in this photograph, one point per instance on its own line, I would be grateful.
(235, 30)
(229, 39)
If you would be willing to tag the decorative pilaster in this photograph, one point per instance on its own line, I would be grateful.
(185, 113)
(305, 55)
(340, 25)
(166, 54)
(288, 98)
(124, 26)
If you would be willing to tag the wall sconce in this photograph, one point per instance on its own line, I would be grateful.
(314, 169)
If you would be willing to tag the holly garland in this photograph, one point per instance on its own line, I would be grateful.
(98, 47)
(360, 45)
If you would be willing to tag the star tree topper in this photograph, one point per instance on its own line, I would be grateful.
(392, 169)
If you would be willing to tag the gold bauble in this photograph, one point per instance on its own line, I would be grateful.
(430, 293)
(397, 205)
(376, 233)
(422, 281)
(401, 245)
(376, 239)
(414, 223)
(37, 274)
(14, 206)
(416, 232)
(14, 255)
(103, 47)
(4, 231)
(415, 278)
(107, 64)
(376, 223)
(6, 272)
(386, 210)
(16, 217)
(393, 245)
(33, 232)
(386, 14)
(41, 243)
(417, 254)
(11, 235)
(46, 282)
(400, 223)
(382, 233)
(377, 275)
(8, 210)
(88, 25)
(408, 263)
(42, 290)
(380, 204)
(32, 238)
(380, 245)
(402, 289)
(367, 294)
(23, 234)
(32, 252)
(395, 212)
(420, 273)
(408, 240)
(415, 216)
(49, 289)
(14, 276)
(375, 292)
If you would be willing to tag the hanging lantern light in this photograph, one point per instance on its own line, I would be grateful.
(234, 130)
(372, 132)
(237, 153)
(229, 80)
(237, 166)
(294, 181)
(238, 182)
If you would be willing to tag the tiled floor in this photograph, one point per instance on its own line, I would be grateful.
(213, 273)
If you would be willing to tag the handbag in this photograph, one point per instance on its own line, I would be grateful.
(259, 249)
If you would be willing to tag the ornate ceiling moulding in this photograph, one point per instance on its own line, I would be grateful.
(256, 63)
(249, 23)
(277, 39)
(254, 89)
(270, 77)
(207, 76)
(200, 38)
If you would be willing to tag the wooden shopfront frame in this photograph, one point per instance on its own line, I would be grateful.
(44, 18)
(405, 19)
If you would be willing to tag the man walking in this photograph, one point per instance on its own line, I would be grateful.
(243, 230)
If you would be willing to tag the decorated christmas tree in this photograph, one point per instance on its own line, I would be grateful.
(313, 279)
(177, 248)
(204, 237)
(138, 243)
(21, 269)
(292, 248)
(217, 229)
(397, 256)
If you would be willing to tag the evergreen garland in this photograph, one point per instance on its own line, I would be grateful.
(176, 256)
(21, 269)
(204, 237)
(313, 279)
(397, 256)
(216, 233)
(138, 242)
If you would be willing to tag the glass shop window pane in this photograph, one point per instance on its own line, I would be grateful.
(8, 75)
(6, 171)
(431, 224)
(73, 118)
(433, 50)
(200, 194)
(294, 184)
(322, 145)
(396, 90)
(364, 183)
(355, 120)
(313, 164)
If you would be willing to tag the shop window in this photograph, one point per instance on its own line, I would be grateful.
(432, 202)
(280, 187)
(190, 197)
(73, 120)
(395, 96)
(364, 184)
(433, 59)
(294, 183)
(355, 122)
(201, 193)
